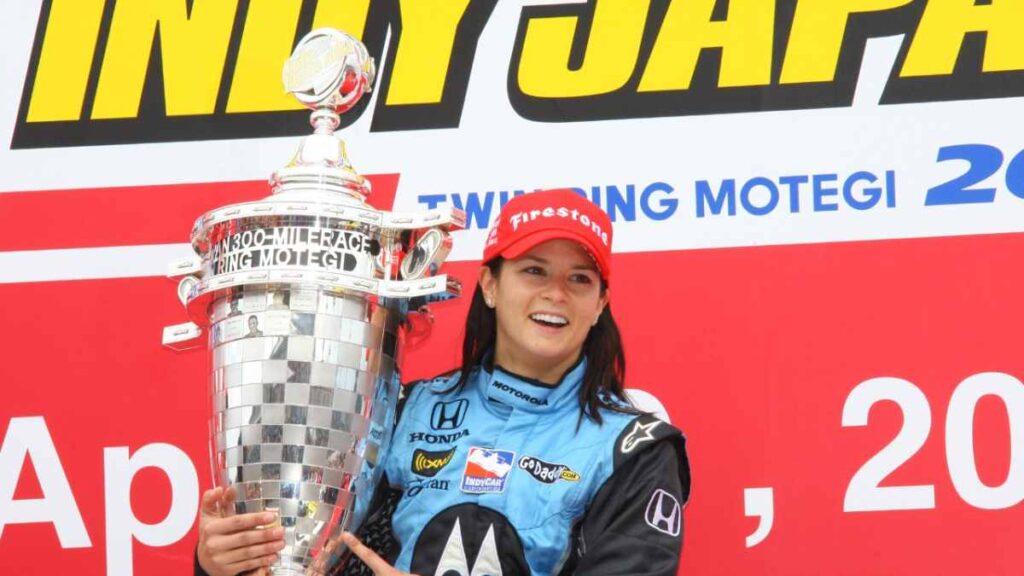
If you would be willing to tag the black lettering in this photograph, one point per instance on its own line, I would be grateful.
(520, 394)
(437, 438)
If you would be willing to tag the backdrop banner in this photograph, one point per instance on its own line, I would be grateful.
(819, 217)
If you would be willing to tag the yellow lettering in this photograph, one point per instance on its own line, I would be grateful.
(424, 50)
(193, 48)
(940, 35)
(347, 15)
(267, 42)
(65, 60)
(610, 58)
(816, 38)
(745, 38)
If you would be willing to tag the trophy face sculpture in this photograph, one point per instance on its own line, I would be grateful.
(307, 296)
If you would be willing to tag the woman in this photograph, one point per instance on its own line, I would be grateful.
(529, 459)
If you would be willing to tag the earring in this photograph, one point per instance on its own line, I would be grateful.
(596, 318)
(489, 301)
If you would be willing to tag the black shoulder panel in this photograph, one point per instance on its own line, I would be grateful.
(642, 433)
(646, 431)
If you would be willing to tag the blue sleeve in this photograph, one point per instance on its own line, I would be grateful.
(392, 464)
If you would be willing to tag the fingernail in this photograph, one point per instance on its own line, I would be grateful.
(277, 532)
(267, 517)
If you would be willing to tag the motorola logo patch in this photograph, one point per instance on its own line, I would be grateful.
(449, 415)
(469, 540)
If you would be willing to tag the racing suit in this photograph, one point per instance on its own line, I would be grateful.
(503, 477)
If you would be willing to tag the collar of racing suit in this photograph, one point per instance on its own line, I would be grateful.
(506, 390)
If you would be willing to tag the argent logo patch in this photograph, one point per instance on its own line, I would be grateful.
(419, 485)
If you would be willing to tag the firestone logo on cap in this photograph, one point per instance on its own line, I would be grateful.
(556, 212)
(530, 219)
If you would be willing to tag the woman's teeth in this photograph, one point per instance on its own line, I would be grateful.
(549, 319)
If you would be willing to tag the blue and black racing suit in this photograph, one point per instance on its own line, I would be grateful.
(503, 477)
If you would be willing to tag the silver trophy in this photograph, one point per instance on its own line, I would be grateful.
(308, 296)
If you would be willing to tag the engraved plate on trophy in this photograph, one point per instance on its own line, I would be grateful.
(306, 299)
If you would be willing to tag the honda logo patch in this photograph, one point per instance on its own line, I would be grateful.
(664, 513)
(449, 415)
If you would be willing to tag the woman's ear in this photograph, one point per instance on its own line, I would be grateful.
(602, 304)
(488, 285)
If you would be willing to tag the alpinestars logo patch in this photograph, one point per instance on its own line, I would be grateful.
(638, 435)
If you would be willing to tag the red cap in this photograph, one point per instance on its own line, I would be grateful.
(530, 219)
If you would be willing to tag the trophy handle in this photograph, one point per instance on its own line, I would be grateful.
(182, 337)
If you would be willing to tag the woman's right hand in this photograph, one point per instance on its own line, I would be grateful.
(231, 543)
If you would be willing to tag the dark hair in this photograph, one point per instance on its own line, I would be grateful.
(606, 361)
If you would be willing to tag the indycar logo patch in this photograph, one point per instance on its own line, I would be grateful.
(486, 470)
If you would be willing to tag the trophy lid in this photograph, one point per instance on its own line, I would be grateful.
(328, 72)
(329, 69)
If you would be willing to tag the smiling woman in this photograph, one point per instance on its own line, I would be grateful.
(546, 302)
(528, 459)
